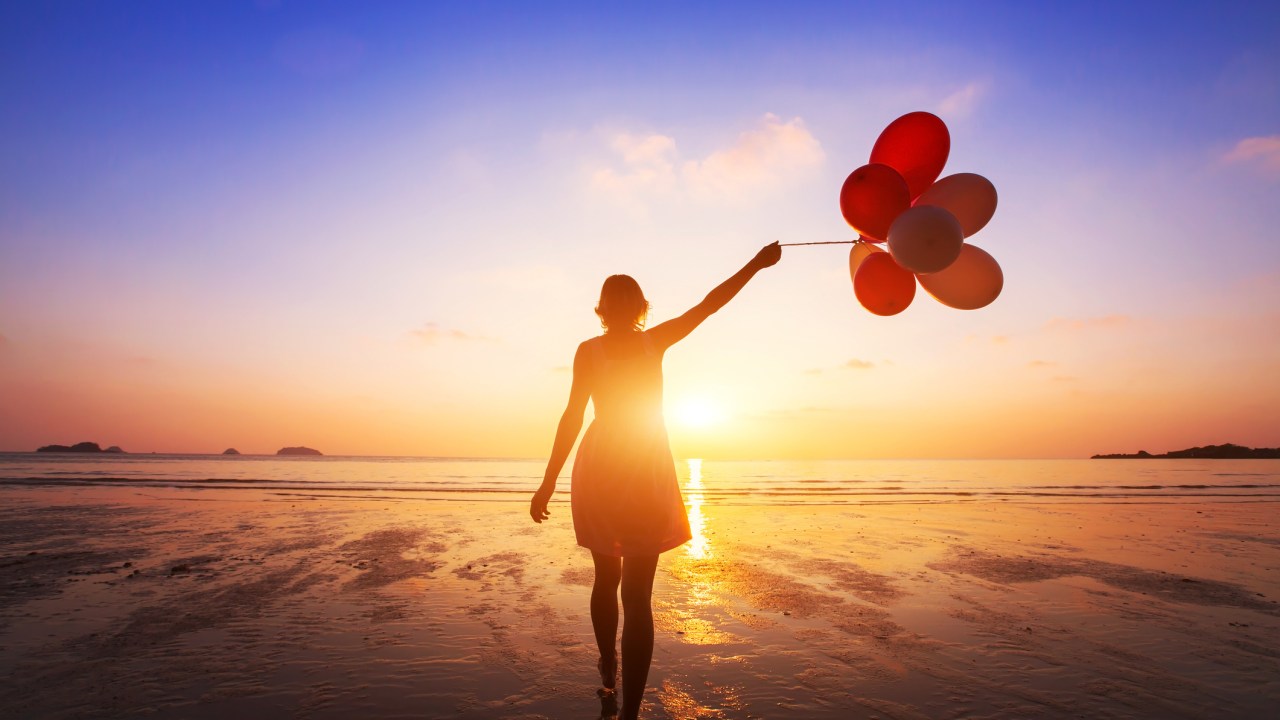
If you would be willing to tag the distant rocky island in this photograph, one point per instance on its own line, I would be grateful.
(231, 451)
(1208, 452)
(298, 451)
(83, 447)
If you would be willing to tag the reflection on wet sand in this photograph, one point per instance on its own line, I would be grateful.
(696, 568)
(699, 547)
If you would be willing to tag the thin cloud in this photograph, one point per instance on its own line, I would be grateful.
(851, 364)
(432, 333)
(642, 150)
(1263, 152)
(1041, 364)
(762, 158)
(962, 102)
(649, 166)
(1107, 322)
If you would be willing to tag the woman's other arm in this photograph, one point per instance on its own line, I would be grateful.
(673, 331)
(566, 434)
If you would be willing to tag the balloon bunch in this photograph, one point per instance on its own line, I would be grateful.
(895, 200)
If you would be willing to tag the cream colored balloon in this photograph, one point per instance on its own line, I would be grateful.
(971, 198)
(925, 239)
(860, 251)
(974, 280)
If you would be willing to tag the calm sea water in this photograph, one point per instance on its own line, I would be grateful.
(728, 482)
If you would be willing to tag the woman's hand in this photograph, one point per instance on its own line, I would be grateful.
(538, 505)
(768, 256)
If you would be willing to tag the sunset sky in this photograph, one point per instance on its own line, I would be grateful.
(381, 228)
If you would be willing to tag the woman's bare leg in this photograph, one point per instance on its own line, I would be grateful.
(637, 630)
(604, 613)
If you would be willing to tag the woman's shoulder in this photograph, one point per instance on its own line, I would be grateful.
(590, 347)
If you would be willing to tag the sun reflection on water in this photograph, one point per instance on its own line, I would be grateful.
(699, 547)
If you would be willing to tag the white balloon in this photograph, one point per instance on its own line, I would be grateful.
(974, 280)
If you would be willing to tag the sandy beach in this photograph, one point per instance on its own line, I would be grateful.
(120, 602)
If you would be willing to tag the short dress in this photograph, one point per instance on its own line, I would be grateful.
(625, 496)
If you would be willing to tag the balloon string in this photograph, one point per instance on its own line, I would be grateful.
(828, 242)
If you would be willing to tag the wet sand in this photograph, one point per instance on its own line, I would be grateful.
(116, 602)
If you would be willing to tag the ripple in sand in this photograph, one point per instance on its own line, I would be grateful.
(508, 565)
(389, 556)
(1176, 588)
(582, 576)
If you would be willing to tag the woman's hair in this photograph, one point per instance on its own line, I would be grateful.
(622, 303)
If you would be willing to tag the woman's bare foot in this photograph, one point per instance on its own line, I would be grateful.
(608, 668)
(608, 704)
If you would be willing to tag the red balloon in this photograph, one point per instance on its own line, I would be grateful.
(860, 251)
(883, 286)
(872, 196)
(916, 145)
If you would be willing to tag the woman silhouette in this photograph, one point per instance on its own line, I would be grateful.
(626, 500)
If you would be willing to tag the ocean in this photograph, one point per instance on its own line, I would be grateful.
(825, 482)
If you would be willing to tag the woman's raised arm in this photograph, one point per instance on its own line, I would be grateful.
(673, 331)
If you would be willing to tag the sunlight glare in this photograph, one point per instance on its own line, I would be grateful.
(697, 413)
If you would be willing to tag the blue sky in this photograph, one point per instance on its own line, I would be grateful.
(226, 192)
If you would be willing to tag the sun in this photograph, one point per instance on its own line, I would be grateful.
(696, 413)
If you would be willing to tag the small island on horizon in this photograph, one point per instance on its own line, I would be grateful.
(81, 447)
(95, 448)
(1226, 451)
(300, 450)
